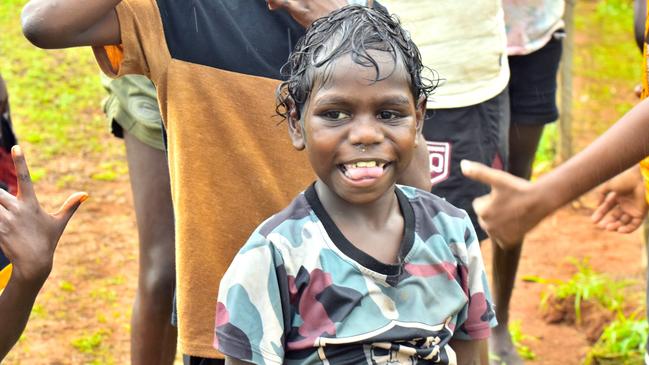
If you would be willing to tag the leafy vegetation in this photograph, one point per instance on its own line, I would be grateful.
(586, 284)
(622, 342)
(519, 339)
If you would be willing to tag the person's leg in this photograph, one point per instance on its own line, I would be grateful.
(523, 142)
(532, 91)
(153, 338)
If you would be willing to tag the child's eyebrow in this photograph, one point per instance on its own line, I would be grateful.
(391, 100)
(395, 100)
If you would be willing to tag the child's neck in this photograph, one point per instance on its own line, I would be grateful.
(376, 228)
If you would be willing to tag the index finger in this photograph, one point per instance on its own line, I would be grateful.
(607, 203)
(25, 186)
(485, 174)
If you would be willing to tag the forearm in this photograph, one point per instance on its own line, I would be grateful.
(623, 145)
(70, 23)
(15, 306)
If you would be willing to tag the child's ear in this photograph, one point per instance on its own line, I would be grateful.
(295, 129)
(421, 113)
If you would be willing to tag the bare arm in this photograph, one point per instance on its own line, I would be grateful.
(28, 237)
(471, 352)
(70, 23)
(515, 206)
(306, 12)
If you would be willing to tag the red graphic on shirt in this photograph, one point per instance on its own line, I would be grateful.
(439, 158)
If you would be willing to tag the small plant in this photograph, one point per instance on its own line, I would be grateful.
(518, 337)
(585, 285)
(622, 342)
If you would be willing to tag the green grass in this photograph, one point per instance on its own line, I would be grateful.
(607, 61)
(88, 343)
(55, 97)
(607, 64)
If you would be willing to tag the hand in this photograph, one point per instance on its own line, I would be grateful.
(306, 12)
(622, 204)
(29, 235)
(513, 207)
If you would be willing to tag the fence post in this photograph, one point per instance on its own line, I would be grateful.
(565, 119)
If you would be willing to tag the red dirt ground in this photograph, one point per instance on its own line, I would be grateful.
(92, 285)
(548, 248)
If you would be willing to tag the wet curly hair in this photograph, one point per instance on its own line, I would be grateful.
(353, 30)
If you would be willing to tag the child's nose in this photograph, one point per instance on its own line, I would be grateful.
(366, 131)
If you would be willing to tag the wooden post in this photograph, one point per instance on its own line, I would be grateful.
(565, 119)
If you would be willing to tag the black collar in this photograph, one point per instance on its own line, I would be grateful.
(352, 251)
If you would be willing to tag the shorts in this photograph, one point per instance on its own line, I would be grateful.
(132, 106)
(194, 360)
(478, 133)
(533, 84)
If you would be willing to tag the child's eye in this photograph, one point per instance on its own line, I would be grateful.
(335, 115)
(386, 114)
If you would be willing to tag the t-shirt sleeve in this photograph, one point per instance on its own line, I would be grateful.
(249, 318)
(143, 49)
(477, 318)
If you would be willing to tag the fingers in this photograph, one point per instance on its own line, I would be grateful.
(634, 224)
(7, 200)
(69, 207)
(25, 186)
(484, 174)
(276, 4)
(608, 202)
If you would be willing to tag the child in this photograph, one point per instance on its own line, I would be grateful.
(215, 65)
(356, 269)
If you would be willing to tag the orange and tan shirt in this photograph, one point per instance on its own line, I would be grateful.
(216, 66)
(644, 164)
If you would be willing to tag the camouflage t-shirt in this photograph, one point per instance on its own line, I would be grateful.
(299, 292)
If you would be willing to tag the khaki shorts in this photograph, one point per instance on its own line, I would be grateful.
(132, 106)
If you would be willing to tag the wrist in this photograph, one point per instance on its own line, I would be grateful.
(34, 276)
(546, 197)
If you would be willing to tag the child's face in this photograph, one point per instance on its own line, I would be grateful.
(360, 135)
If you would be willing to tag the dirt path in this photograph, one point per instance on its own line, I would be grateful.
(83, 313)
(547, 252)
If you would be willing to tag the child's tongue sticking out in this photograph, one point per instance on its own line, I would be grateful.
(358, 173)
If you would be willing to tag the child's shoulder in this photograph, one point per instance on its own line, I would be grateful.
(285, 222)
(430, 202)
(435, 217)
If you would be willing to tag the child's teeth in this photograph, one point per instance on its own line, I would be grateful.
(365, 164)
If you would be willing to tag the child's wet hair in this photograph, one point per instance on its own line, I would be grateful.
(353, 30)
